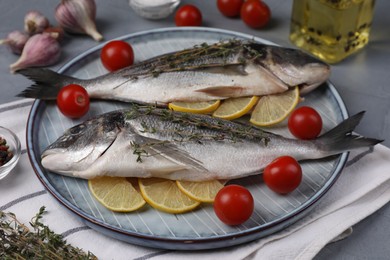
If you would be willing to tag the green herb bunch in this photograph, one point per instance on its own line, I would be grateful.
(17, 241)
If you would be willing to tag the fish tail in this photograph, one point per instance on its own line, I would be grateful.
(47, 83)
(340, 138)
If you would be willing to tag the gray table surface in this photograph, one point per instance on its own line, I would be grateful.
(362, 81)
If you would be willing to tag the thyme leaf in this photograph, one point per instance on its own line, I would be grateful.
(139, 151)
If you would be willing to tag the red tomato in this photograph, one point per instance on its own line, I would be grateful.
(305, 123)
(233, 204)
(188, 15)
(230, 8)
(73, 101)
(283, 175)
(255, 13)
(117, 55)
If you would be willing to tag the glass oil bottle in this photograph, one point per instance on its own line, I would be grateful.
(331, 29)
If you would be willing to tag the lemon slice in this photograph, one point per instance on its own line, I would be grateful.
(273, 109)
(204, 107)
(233, 108)
(164, 195)
(116, 193)
(200, 191)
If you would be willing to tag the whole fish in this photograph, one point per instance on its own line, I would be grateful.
(145, 141)
(205, 72)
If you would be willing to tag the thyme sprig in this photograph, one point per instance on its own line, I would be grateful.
(17, 241)
(201, 56)
(188, 128)
(140, 149)
(230, 130)
(224, 128)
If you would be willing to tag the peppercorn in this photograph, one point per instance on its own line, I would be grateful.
(5, 154)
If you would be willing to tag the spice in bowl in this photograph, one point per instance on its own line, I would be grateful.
(5, 154)
(10, 150)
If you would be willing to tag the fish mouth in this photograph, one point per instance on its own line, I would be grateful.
(53, 160)
(320, 74)
(304, 88)
(67, 163)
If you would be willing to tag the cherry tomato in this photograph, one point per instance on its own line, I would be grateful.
(233, 204)
(188, 15)
(255, 13)
(283, 175)
(73, 101)
(305, 123)
(230, 8)
(117, 55)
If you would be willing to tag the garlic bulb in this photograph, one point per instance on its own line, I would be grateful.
(40, 50)
(78, 16)
(16, 41)
(35, 22)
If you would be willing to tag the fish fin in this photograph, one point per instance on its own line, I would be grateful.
(238, 69)
(169, 151)
(222, 91)
(340, 138)
(47, 83)
(231, 69)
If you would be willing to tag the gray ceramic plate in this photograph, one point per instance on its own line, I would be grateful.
(199, 229)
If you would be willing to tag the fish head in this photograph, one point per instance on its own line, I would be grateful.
(292, 66)
(80, 146)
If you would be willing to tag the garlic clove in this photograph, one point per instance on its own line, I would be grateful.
(78, 16)
(40, 50)
(35, 22)
(16, 41)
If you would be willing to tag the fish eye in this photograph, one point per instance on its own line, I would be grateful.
(76, 130)
(72, 133)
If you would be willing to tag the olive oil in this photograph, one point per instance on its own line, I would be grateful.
(331, 29)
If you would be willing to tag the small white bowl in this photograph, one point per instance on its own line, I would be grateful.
(158, 9)
(14, 147)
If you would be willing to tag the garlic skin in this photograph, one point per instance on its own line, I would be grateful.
(56, 32)
(40, 50)
(78, 16)
(16, 41)
(35, 22)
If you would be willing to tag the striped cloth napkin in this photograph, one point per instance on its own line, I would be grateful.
(363, 188)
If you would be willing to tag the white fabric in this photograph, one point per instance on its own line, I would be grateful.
(362, 188)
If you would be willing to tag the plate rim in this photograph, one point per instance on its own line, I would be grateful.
(169, 242)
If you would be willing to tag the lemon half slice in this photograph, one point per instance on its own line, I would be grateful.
(273, 109)
(164, 195)
(233, 108)
(204, 107)
(116, 193)
(200, 191)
